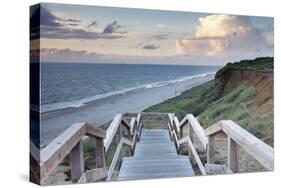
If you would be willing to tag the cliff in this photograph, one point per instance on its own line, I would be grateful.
(257, 73)
(241, 91)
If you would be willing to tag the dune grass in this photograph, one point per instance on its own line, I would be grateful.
(210, 104)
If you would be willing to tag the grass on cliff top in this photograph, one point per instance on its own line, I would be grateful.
(210, 104)
(259, 64)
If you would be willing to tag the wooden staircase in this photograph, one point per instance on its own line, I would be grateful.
(155, 156)
(153, 152)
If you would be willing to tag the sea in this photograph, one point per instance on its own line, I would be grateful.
(65, 85)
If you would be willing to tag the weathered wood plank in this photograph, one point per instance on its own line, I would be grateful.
(170, 132)
(93, 131)
(196, 156)
(111, 131)
(171, 120)
(214, 129)
(176, 139)
(59, 148)
(126, 124)
(96, 174)
(198, 130)
(116, 155)
(132, 125)
(184, 121)
(100, 153)
(251, 144)
(177, 124)
(77, 162)
(153, 159)
(211, 149)
(155, 175)
(138, 119)
(82, 178)
(138, 125)
(232, 155)
(215, 169)
(190, 137)
(183, 140)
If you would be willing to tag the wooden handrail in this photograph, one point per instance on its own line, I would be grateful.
(111, 130)
(70, 142)
(53, 154)
(189, 119)
(116, 155)
(134, 128)
(193, 126)
(262, 152)
(196, 156)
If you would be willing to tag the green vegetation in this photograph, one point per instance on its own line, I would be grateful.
(235, 106)
(210, 102)
(192, 101)
(259, 64)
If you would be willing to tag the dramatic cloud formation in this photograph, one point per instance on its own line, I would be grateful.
(72, 34)
(53, 27)
(150, 47)
(223, 35)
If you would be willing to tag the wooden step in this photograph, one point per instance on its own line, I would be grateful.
(155, 175)
(155, 156)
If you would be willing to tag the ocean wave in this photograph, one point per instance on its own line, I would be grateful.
(79, 103)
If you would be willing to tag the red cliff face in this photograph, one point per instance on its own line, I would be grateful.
(261, 80)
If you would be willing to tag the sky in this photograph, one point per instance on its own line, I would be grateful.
(92, 34)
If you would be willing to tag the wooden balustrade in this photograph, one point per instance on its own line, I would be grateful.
(70, 142)
(236, 135)
(133, 128)
(193, 127)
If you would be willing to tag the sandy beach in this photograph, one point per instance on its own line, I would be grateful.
(100, 111)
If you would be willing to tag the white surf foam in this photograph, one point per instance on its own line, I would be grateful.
(82, 102)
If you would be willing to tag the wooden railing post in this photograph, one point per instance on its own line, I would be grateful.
(77, 162)
(119, 139)
(190, 134)
(100, 153)
(180, 137)
(211, 149)
(138, 126)
(232, 155)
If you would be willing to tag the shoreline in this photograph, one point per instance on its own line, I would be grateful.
(103, 110)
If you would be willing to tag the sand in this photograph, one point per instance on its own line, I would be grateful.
(103, 110)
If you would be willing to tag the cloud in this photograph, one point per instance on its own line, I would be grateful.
(150, 47)
(159, 37)
(66, 54)
(111, 28)
(53, 27)
(223, 35)
(94, 23)
(48, 19)
(66, 33)
(160, 25)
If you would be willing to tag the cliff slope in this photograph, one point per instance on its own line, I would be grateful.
(241, 91)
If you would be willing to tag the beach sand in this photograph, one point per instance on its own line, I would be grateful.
(100, 111)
